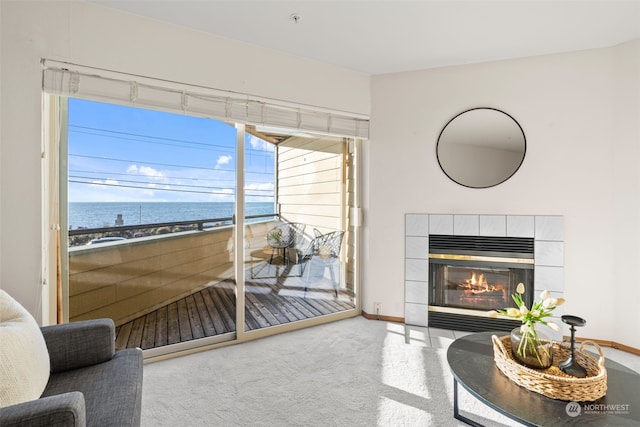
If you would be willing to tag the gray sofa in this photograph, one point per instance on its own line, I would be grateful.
(90, 384)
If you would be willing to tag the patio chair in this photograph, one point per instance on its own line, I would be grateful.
(284, 236)
(322, 252)
(299, 240)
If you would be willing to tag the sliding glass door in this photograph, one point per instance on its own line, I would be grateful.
(300, 266)
(166, 218)
(151, 201)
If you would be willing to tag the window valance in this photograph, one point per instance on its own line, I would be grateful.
(107, 86)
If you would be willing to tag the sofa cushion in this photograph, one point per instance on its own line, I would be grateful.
(112, 390)
(24, 360)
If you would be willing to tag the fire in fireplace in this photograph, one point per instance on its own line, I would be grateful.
(470, 275)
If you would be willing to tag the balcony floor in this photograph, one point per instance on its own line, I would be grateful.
(269, 301)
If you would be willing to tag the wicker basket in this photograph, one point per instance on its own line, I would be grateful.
(552, 382)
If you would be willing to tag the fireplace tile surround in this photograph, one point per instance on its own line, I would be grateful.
(546, 230)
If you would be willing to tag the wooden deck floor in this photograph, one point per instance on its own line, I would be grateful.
(269, 301)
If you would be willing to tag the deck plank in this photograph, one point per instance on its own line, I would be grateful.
(279, 313)
(273, 316)
(161, 327)
(212, 323)
(216, 309)
(256, 309)
(275, 304)
(304, 310)
(135, 338)
(197, 331)
(329, 304)
(225, 307)
(317, 305)
(289, 305)
(229, 302)
(149, 331)
(173, 326)
(183, 321)
(211, 311)
(122, 335)
(250, 322)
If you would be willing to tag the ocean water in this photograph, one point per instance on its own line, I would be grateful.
(97, 214)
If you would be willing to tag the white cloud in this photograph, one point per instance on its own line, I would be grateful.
(223, 160)
(259, 186)
(222, 195)
(111, 190)
(147, 171)
(259, 192)
(108, 181)
(260, 144)
(151, 172)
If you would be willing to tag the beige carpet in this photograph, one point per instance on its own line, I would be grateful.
(353, 372)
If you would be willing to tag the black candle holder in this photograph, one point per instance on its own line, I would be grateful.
(571, 366)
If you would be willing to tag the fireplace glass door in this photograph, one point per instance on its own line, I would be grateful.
(478, 285)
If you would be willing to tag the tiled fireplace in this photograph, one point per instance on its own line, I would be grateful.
(507, 238)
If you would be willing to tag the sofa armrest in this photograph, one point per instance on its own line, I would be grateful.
(78, 344)
(67, 409)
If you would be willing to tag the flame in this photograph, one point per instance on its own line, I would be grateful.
(477, 280)
(478, 283)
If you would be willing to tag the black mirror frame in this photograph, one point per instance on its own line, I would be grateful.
(524, 140)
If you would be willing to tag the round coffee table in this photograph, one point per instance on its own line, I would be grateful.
(471, 361)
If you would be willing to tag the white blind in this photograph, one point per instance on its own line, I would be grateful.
(106, 86)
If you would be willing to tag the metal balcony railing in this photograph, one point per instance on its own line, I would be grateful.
(81, 236)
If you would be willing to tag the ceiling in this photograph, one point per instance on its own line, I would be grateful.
(378, 37)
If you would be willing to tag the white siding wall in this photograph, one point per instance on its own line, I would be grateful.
(315, 188)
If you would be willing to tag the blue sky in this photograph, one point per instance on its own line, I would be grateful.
(127, 154)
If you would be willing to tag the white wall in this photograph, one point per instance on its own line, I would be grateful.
(94, 36)
(580, 114)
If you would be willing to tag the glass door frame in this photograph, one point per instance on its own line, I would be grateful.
(355, 214)
(240, 335)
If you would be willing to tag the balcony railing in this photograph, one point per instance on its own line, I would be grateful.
(82, 236)
(126, 279)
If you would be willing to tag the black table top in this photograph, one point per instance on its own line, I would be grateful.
(471, 361)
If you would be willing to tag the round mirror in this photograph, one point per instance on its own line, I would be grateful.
(481, 147)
